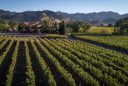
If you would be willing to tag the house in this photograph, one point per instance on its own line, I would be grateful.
(30, 27)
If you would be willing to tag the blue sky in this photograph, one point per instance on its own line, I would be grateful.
(70, 6)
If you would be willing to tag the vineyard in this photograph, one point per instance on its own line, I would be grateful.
(120, 42)
(40, 61)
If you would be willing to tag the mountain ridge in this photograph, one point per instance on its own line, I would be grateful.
(104, 16)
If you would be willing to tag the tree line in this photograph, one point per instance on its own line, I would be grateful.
(62, 27)
(45, 25)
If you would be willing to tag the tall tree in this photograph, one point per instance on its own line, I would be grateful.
(122, 26)
(45, 21)
(13, 24)
(54, 28)
(62, 28)
(84, 27)
(21, 27)
(4, 27)
(74, 25)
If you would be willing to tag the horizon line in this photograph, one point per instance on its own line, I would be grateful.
(63, 11)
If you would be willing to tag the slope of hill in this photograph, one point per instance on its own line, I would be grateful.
(104, 17)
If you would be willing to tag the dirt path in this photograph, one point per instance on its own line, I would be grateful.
(20, 67)
(122, 51)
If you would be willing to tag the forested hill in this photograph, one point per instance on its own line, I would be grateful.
(104, 17)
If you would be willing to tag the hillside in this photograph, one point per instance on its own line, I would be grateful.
(104, 17)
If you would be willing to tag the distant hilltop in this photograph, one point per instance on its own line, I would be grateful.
(108, 17)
